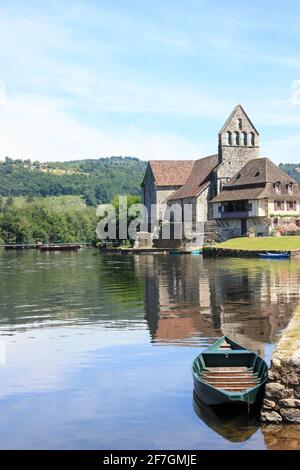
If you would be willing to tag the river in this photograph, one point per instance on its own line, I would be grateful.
(96, 349)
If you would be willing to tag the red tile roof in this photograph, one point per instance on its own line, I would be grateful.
(171, 172)
(198, 179)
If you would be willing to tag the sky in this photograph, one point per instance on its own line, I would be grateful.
(154, 79)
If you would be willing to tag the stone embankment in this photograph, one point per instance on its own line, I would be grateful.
(282, 393)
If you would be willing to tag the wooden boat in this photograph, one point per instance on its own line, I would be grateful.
(279, 255)
(226, 372)
(59, 247)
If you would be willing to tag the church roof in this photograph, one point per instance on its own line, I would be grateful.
(171, 172)
(228, 121)
(198, 178)
(256, 181)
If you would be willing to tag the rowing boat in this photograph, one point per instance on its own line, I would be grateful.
(226, 372)
(279, 255)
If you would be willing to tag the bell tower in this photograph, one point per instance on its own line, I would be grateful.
(238, 143)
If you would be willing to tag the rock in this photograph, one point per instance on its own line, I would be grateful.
(270, 417)
(296, 359)
(275, 362)
(297, 392)
(277, 391)
(289, 403)
(292, 379)
(273, 375)
(292, 415)
(269, 404)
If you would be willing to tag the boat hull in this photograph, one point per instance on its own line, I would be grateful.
(274, 255)
(211, 396)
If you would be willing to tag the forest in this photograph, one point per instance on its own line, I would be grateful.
(96, 180)
(56, 202)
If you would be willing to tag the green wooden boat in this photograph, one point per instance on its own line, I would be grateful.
(226, 372)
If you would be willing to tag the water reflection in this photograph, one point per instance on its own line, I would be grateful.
(233, 423)
(190, 300)
(72, 323)
(281, 436)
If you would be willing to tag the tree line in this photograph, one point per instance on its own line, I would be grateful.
(96, 180)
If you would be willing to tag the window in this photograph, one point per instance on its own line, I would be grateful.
(289, 187)
(251, 139)
(277, 187)
(291, 205)
(228, 138)
(236, 140)
(278, 205)
(239, 124)
(250, 206)
(244, 138)
(257, 174)
(238, 176)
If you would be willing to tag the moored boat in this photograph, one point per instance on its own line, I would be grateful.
(226, 372)
(279, 255)
(60, 247)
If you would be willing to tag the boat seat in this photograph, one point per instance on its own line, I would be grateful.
(230, 378)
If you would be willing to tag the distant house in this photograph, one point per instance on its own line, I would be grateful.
(235, 189)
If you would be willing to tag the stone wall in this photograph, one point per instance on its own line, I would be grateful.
(282, 394)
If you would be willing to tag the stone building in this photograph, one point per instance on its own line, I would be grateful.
(260, 191)
(258, 199)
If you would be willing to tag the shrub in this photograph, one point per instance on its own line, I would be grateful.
(290, 229)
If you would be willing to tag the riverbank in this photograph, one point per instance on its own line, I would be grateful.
(252, 247)
(282, 394)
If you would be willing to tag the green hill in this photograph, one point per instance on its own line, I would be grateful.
(292, 169)
(96, 180)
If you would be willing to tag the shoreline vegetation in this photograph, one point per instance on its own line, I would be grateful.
(288, 243)
(55, 202)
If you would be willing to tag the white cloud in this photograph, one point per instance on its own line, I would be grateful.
(39, 127)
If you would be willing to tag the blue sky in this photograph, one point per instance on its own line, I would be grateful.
(149, 78)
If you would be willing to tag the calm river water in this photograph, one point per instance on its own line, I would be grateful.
(96, 350)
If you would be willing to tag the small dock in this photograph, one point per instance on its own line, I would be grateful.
(149, 251)
(36, 246)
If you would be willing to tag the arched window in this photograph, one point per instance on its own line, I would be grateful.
(251, 139)
(236, 139)
(289, 187)
(244, 138)
(239, 124)
(277, 187)
(228, 138)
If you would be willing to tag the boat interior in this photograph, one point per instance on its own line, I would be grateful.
(231, 379)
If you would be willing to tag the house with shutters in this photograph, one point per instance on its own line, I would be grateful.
(235, 189)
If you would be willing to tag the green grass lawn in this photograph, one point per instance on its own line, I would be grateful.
(263, 244)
